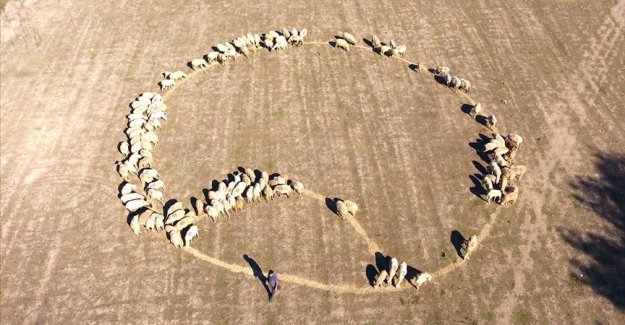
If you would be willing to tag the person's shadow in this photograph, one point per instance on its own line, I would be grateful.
(258, 272)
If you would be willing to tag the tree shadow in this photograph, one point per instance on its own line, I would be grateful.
(605, 196)
(258, 272)
(457, 240)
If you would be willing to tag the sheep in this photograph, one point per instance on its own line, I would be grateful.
(176, 75)
(403, 270)
(150, 137)
(375, 41)
(500, 151)
(422, 278)
(385, 50)
(493, 195)
(123, 172)
(470, 246)
(491, 121)
(268, 43)
(148, 175)
(175, 237)
(222, 188)
(212, 57)
(127, 188)
(273, 34)
(475, 110)
(499, 160)
(199, 206)
(341, 44)
(167, 84)
(392, 269)
(135, 225)
(257, 192)
(303, 33)
(227, 206)
(257, 40)
(495, 170)
(150, 223)
(213, 195)
(280, 43)
(513, 141)
(136, 123)
(146, 162)
(519, 171)
(159, 221)
(212, 212)
(135, 205)
(157, 185)
(239, 203)
(250, 173)
(219, 206)
(221, 48)
(349, 38)
(380, 278)
(277, 180)
(401, 50)
(268, 193)
(197, 64)
(352, 207)
(341, 209)
(249, 194)
(191, 233)
(455, 82)
(298, 187)
(190, 218)
(131, 196)
(283, 190)
(174, 207)
(447, 79)
(232, 202)
(465, 85)
(442, 70)
(144, 216)
(155, 194)
(487, 182)
(238, 189)
(174, 216)
(246, 179)
(285, 32)
(492, 145)
(510, 194)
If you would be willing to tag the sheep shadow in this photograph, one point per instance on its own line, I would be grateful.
(440, 79)
(411, 274)
(381, 261)
(480, 168)
(414, 67)
(477, 188)
(368, 43)
(193, 202)
(331, 205)
(258, 272)
(466, 109)
(482, 120)
(168, 206)
(371, 272)
(457, 240)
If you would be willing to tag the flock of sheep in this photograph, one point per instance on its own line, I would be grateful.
(246, 185)
(396, 274)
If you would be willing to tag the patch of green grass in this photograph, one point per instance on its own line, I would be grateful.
(3, 3)
(550, 213)
(490, 316)
(594, 318)
(434, 318)
(168, 164)
(557, 42)
(541, 142)
(189, 168)
(480, 288)
(444, 252)
(522, 317)
(279, 113)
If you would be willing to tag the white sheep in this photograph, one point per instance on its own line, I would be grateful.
(392, 44)
(380, 278)
(219, 206)
(442, 70)
(199, 207)
(341, 44)
(191, 233)
(455, 82)
(349, 38)
(487, 182)
(493, 195)
(491, 121)
(125, 198)
(375, 41)
(127, 188)
(150, 223)
(212, 212)
(513, 141)
(123, 172)
(401, 50)
(341, 209)
(146, 162)
(249, 194)
(495, 170)
(157, 184)
(500, 151)
(511, 194)
(159, 221)
(422, 278)
(167, 84)
(257, 192)
(392, 269)
(212, 57)
(385, 50)
(470, 246)
(298, 187)
(174, 236)
(465, 85)
(475, 110)
(148, 175)
(283, 190)
(238, 189)
(280, 43)
(174, 216)
(268, 193)
(136, 123)
(135, 225)
(176, 75)
(403, 270)
(135, 205)
(155, 194)
(352, 207)
(197, 64)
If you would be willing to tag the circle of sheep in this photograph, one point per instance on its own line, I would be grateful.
(245, 185)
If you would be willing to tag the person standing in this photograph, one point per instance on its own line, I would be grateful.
(272, 284)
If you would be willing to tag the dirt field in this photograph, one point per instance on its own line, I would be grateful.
(351, 124)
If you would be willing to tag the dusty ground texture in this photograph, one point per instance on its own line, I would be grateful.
(349, 125)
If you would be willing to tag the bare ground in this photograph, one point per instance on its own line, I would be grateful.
(350, 125)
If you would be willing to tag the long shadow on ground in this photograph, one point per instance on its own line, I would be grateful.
(605, 196)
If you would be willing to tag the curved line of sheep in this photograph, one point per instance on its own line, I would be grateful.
(148, 111)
